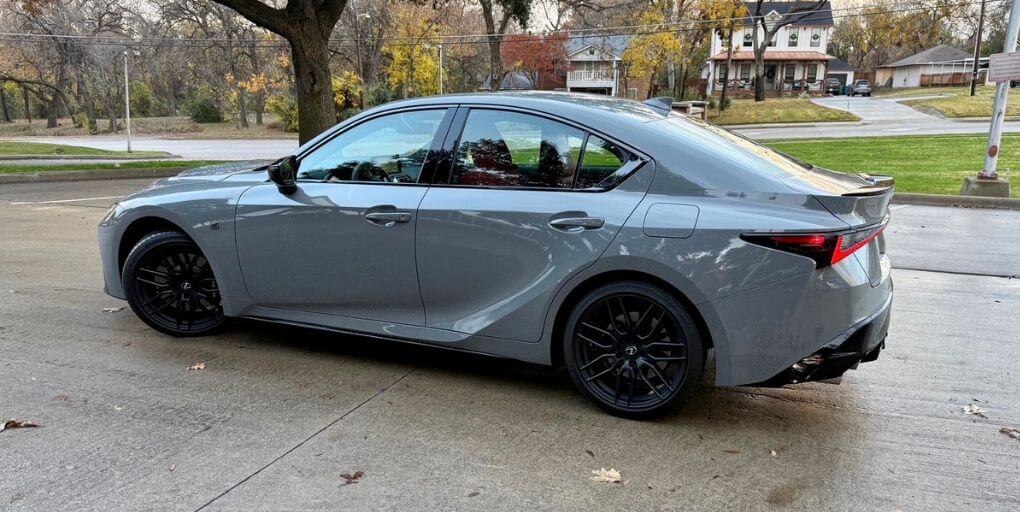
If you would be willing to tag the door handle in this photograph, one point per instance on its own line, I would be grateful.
(578, 222)
(388, 218)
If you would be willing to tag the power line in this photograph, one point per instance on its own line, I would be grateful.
(599, 32)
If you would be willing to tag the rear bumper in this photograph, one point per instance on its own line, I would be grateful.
(861, 343)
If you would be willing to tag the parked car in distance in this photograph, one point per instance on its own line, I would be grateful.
(861, 88)
(833, 87)
(615, 238)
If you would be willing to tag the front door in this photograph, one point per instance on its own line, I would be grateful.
(770, 76)
(527, 202)
(343, 244)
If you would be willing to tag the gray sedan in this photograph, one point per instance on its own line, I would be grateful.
(617, 239)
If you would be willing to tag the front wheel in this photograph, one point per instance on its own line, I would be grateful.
(170, 285)
(633, 350)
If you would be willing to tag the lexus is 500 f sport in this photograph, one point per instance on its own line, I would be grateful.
(615, 238)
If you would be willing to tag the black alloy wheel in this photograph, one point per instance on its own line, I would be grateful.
(633, 350)
(170, 285)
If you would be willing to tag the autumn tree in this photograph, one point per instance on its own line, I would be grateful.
(497, 15)
(413, 54)
(534, 55)
(648, 55)
(307, 25)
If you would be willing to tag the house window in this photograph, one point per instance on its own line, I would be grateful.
(794, 36)
(791, 72)
(721, 74)
(812, 72)
(745, 71)
(748, 37)
(816, 37)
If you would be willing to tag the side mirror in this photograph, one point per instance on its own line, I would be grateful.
(283, 172)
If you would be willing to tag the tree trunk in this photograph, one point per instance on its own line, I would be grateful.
(729, 66)
(3, 104)
(316, 109)
(171, 96)
(53, 111)
(28, 106)
(495, 64)
(759, 66)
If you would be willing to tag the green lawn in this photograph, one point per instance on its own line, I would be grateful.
(930, 165)
(960, 103)
(13, 149)
(785, 110)
(126, 165)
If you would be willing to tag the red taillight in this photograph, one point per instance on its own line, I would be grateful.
(825, 248)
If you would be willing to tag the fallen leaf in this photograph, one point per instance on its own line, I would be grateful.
(472, 494)
(608, 476)
(13, 424)
(732, 451)
(63, 398)
(975, 410)
(118, 407)
(774, 453)
(1013, 433)
(352, 479)
(197, 366)
(172, 467)
(590, 453)
(112, 310)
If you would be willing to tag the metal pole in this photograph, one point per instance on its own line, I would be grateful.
(977, 50)
(1001, 93)
(440, 68)
(127, 103)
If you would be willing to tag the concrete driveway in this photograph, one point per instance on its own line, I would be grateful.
(278, 413)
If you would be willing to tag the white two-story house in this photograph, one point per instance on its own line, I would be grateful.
(795, 60)
(594, 65)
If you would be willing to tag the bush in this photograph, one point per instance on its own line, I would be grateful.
(202, 109)
(712, 103)
(726, 103)
(143, 102)
(285, 108)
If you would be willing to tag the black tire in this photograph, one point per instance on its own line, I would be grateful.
(170, 285)
(606, 352)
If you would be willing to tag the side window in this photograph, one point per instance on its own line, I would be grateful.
(388, 149)
(601, 160)
(508, 149)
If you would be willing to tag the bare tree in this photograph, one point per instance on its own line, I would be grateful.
(769, 28)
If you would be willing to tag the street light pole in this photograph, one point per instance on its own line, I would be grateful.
(440, 68)
(127, 103)
(977, 50)
(1001, 93)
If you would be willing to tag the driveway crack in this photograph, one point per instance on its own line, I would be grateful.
(309, 438)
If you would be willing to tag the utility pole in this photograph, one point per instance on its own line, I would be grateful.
(977, 50)
(440, 68)
(1001, 93)
(127, 102)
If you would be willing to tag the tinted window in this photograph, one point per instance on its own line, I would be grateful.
(508, 149)
(386, 149)
(601, 160)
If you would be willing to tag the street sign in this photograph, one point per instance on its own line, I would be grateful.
(1003, 67)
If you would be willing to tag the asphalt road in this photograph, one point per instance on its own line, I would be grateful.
(278, 414)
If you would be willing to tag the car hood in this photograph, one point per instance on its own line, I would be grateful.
(251, 170)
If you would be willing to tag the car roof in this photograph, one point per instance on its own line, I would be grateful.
(617, 117)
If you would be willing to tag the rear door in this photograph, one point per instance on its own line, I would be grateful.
(525, 202)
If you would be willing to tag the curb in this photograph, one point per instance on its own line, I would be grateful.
(149, 158)
(1001, 203)
(806, 124)
(105, 174)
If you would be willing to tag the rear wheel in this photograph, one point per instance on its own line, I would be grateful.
(170, 285)
(633, 349)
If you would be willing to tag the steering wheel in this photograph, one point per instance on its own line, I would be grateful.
(367, 171)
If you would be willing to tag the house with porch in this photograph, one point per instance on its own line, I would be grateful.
(795, 60)
(594, 65)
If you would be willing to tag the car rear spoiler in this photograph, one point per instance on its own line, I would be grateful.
(879, 185)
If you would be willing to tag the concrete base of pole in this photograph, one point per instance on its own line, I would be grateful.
(973, 186)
